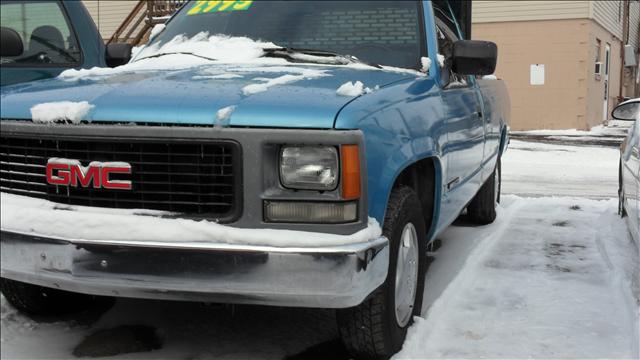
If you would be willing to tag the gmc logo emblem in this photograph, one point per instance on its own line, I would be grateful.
(67, 172)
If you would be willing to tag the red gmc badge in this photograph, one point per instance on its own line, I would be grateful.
(69, 172)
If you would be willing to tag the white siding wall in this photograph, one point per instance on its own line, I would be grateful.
(109, 14)
(608, 13)
(497, 11)
(634, 23)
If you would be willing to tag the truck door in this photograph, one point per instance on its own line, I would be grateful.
(464, 123)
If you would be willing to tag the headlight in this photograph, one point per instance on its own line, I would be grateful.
(309, 167)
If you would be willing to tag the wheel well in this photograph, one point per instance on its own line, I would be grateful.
(421, 177)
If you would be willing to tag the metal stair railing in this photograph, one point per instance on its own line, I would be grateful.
(144, 16)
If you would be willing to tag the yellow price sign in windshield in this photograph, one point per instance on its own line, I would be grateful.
(205, 7)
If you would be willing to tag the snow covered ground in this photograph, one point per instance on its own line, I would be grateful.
(532, 169)
(552, 278)
(556, 276)
(610, 134)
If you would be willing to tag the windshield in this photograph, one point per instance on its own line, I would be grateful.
(380, 32)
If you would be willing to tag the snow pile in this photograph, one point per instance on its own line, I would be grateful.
(69, 111)
(157, 29)
(224, 76)
(41, 217)
(352, 89)
(267, 83)
(220, 48)
(292, 74)
(204, 49)
(425, 62)
(223, 115)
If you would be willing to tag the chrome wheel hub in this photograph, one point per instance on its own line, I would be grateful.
(406, 275)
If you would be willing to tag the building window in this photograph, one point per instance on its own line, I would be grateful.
(597, 70)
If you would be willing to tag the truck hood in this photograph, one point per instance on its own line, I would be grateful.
(229, 95)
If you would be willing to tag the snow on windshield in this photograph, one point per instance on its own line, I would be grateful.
(203, 49)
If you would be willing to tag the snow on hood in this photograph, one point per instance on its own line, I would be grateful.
(352, 89)
(41, 217)
(283, 95)
(70, 111)
(187, 80)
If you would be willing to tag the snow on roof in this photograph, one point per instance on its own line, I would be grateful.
(73, 112)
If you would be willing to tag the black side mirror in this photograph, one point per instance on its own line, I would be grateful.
(628, 110)
(118, 54)
(10, 42)
(474, 57)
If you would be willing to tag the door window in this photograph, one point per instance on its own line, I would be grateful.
(446, 38)
(45, 31)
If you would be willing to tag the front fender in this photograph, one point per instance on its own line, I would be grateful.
(402, 124)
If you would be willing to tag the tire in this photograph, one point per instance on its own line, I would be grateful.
(41, 301)
(621, 197)
(482, 208)
(374, 329)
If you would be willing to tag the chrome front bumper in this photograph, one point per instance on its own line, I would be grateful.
(326, 277)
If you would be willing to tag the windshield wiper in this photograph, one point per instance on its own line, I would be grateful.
(314, 56)
(174, 53)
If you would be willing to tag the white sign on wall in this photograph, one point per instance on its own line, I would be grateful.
(537, 74)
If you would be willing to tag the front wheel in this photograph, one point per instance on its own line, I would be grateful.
(376, 329)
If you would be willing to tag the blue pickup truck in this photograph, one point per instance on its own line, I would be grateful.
(276, 153)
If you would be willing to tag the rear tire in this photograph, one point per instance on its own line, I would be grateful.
(376, 329)
(621, 197)
(41, 301)
(482, 209)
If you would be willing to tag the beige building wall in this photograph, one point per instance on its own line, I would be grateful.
(562, 35)
(557, 44)
(595, 85)
(109, 14)
(571, 97)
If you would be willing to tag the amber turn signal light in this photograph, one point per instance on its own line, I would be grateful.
(350, 156)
